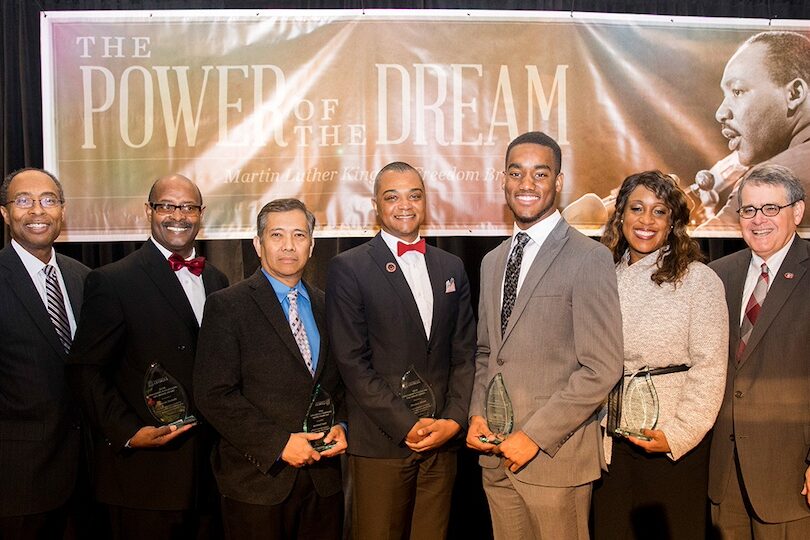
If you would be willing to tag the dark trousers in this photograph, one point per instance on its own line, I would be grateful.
(303, 515)
(652, 497)
(137, 524)
(402, 498)
(43, 526)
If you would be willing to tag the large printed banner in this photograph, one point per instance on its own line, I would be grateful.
(310, 104)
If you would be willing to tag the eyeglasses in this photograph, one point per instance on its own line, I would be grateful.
(26, 202)
(768, 210)
(169, 208)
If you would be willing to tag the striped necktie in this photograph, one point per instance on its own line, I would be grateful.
(752, 310)
(298, 330)
(56, 307)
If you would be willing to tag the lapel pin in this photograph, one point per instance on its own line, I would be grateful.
(788, 275)
(391, 267)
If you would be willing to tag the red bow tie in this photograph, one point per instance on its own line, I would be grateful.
(402, 247)
(195, 265)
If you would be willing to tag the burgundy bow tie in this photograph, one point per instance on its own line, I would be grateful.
(403, 248)
(195, 265)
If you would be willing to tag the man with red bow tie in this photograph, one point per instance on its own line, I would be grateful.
(146, 309)
(397, 311)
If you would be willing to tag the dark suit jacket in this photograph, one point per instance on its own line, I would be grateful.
(39, 435)
(766, 407)
(376, 333)
(253, 386)
(136, 314)
(560, 355)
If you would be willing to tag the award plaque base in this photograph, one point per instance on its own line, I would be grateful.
(496, 441)
(624, 432)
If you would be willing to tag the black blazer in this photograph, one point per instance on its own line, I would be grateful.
(136, 314)
(376, 334)
(39, 435)
(253, 386)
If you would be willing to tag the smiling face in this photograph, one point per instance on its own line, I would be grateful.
(400, 204)
(767, 235)
(754, 113)
(35, 228)
(175, 231)
(531, 183)
(646, 223)
(285, 246)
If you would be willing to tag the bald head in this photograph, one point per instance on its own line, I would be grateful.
(173, 178)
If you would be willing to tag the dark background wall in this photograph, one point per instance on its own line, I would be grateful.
(21, 136)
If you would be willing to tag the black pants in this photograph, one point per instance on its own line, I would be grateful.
(303, 515)
(650, 496)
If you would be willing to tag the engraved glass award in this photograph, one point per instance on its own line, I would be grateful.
(418, 394)
(498, 411)
(165, 398)
(320, 418)
(639, 406)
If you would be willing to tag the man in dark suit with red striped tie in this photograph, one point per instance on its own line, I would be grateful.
(759, 478)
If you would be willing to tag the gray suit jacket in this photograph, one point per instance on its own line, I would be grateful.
(766, 406)
(560, 355)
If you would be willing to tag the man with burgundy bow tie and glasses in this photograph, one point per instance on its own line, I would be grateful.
(142, 310)
(759, 479)
(396, 306)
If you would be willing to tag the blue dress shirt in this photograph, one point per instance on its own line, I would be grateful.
(304, 313)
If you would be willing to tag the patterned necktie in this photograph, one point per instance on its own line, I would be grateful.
(56, 307)
(511, 280)
(752, 310)
(298, 330)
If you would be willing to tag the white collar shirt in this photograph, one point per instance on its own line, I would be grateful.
(537, 237)
(192, 285)
(36, 269)
(774, 263)
(414, 268)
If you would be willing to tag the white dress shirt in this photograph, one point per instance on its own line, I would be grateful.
(537, 237)
(192, 285)
(36, 269)
(414, 268)
(774, 263)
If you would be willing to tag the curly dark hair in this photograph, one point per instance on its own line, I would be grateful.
(682, 249)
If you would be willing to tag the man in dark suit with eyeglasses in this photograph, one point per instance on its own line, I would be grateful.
(146, 309)
(40, 297)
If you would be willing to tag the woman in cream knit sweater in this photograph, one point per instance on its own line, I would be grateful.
(673, 316)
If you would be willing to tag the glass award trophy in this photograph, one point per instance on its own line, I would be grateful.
(165, 398)
(498, 411)
(639, 406)
(418, 394)
(320, 418)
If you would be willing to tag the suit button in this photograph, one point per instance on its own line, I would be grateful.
(500, 362)
(731, 437)
(181, 347)
(738, 394)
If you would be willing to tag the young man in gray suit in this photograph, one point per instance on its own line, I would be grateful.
(550, 324)
(40, 298)
(759, 479)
